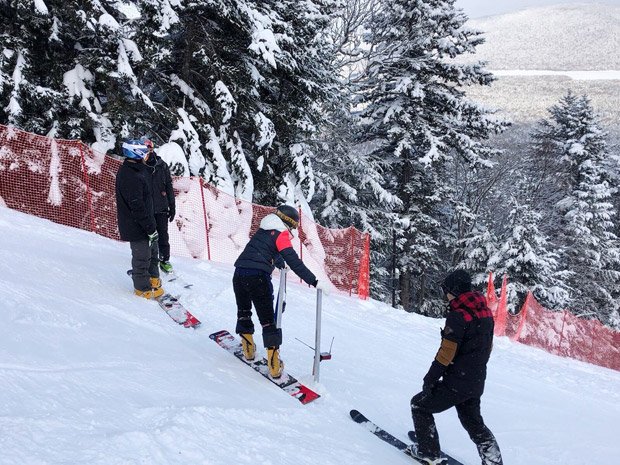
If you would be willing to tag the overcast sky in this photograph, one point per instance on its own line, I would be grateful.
(478, 8)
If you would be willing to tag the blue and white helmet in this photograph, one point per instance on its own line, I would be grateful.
(135, 149)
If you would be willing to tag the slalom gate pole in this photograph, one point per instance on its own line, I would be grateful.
(317, 336)
(281, 297)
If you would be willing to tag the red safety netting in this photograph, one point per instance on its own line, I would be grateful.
(560, 333)
(68, 183)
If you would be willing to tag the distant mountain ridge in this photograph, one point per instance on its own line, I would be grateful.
(576, 37)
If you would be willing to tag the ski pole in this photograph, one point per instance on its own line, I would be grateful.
(317, 336)
(281, 297)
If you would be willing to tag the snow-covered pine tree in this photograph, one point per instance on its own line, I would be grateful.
(478, 247)
(526, 257)
(297, 85)
(350, 185)
(72, 70)
(585, 237)
(32, 96)
(419, 118)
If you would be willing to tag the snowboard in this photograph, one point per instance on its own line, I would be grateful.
(286, 382)
(392, 440)
(175, 310)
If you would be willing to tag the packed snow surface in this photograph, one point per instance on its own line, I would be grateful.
(90, 374)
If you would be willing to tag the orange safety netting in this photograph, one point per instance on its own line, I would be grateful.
(560, 333)
(68, 183)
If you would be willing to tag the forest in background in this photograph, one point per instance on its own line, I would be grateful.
(360, 111)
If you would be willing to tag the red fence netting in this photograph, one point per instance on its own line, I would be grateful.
(68, 183)
(557, 332)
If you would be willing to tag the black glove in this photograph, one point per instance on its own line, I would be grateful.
(432, 377)
(171, 213)
(153, 237)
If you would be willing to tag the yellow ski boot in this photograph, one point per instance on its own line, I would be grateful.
(249, 348)
(150, 294)
(276, 365)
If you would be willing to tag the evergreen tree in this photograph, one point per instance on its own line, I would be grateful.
(526, 258)
(589, 248)
(418, 117)
(72, 71)
(478, 247)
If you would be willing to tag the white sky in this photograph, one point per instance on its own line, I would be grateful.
(479, 8)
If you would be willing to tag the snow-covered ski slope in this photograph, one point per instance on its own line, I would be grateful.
(90, 374)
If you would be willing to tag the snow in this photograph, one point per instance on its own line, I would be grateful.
(108, 21)
(130, 10)
(172, 153)
(91, 374)
(77, 81)
(264, 43)
(606, 75)
(41, 7)
(14, 108)
(200, 104)
(226, 101)
(54, 196)
(266, 130)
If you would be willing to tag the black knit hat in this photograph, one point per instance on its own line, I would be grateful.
(456, 283)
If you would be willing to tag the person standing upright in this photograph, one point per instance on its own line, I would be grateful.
(163, 203)
(461, 363)
(268, 248)
(136, 220)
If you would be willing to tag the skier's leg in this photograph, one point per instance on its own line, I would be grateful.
(164, 239)
(262, 297)
(140, 260)
(242, 290)
(471, 419)
(423, 406)
(245, 326)
(154, 263)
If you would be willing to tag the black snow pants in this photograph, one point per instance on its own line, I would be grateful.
(144, 264)
(161, 219)
(255, 287)
(441, 398)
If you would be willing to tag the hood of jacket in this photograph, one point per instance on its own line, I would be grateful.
(272, 221)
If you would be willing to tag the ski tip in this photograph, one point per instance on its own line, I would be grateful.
(218, 334)
(357, 416)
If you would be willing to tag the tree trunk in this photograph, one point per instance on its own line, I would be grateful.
(405, 289)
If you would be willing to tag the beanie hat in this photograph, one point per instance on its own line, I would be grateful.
(456, 283)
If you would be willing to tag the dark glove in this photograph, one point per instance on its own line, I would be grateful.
(171, 214)
(432, 377)
(153, 237)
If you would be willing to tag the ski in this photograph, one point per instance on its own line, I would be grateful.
(286, 382)
(175, 310)
(175, 278)
(392, 440)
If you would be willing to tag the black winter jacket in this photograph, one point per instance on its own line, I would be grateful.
(134, 201)
(271, 246)
(163, 193)
(468, 338)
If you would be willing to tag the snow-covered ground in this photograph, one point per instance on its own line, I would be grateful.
(575, 75)
(90, 374)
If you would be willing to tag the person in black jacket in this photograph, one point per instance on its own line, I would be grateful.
(136, 221)
(269, 247)
(163, 204)
(461, 363)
